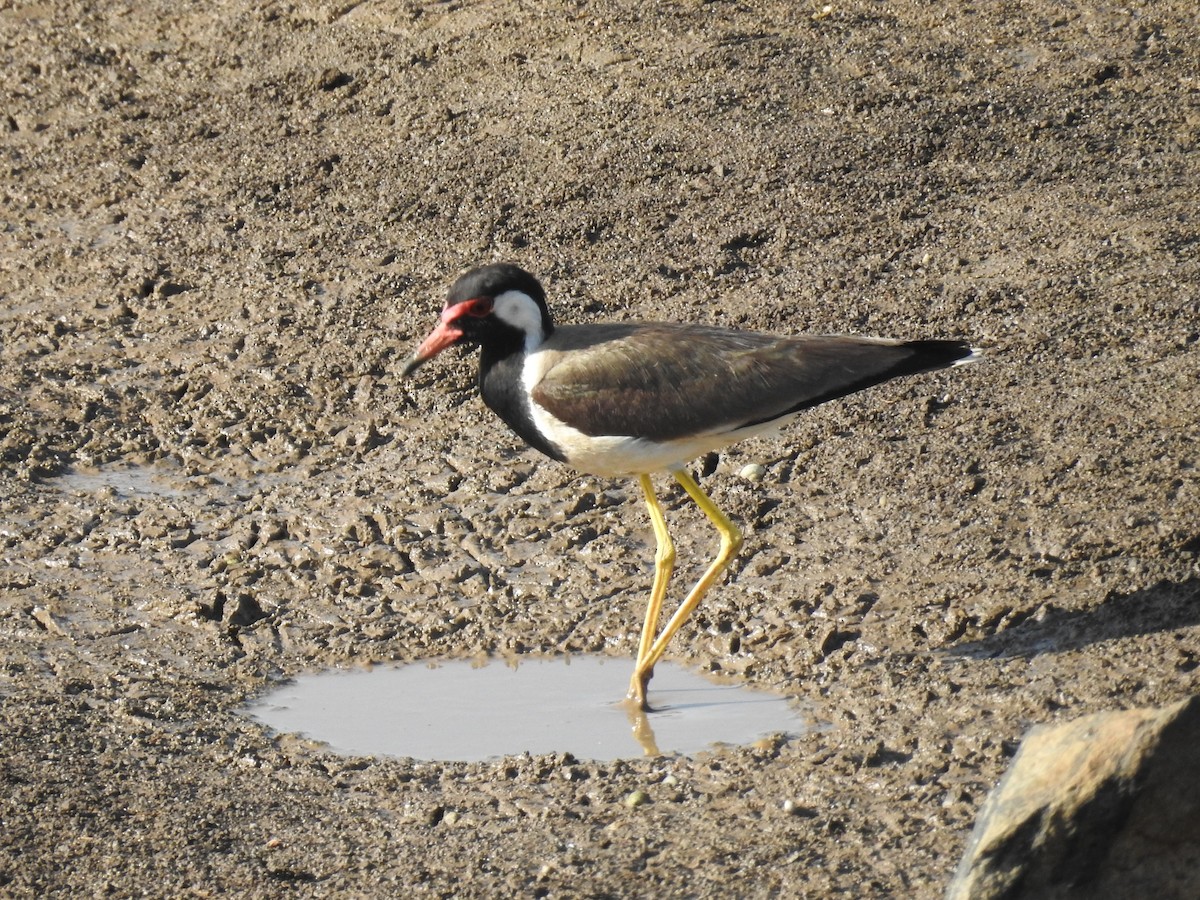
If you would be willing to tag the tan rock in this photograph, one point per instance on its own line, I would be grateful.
(1106, 806)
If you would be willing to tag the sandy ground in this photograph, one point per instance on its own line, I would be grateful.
(223, 228)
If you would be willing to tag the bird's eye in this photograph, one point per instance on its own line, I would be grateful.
(475, 308)
(478, 307)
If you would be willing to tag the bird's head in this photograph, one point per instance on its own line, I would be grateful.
(495, 306)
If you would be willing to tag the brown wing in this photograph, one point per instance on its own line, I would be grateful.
(662, 381)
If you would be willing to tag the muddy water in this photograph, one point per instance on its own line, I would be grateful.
(465, 711)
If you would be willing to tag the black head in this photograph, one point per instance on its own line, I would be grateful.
(499, 306)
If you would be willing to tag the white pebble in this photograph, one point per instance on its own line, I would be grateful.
(753, 472)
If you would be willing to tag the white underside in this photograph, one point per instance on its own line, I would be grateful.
(612, 455)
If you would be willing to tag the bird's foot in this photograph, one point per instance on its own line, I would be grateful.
(638, 686)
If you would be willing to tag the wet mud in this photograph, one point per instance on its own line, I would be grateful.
(224, 230)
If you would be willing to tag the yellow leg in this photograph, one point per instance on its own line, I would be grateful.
(731, 541)
(664, 564)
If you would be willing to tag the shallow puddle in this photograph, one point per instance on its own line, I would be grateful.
(464, 711)
(125, 480)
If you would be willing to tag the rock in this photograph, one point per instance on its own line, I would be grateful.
(753, 472)
(1106, 806)
(636, 798)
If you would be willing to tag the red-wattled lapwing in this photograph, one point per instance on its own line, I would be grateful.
(636, 398)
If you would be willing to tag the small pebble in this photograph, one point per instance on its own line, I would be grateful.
(753, 472)
(636, 799)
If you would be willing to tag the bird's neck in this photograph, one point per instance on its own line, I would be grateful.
(508, 342)
(502, 386)
(508, 345)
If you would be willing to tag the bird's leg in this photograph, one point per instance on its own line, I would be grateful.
(664, 564)
(731, 542)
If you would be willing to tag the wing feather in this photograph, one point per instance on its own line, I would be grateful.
(665, 382)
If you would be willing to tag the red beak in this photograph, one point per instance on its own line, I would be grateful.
(447, 332)
(439, 339)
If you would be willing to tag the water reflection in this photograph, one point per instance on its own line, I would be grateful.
(467, 711)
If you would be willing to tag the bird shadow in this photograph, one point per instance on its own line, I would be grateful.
(1163, 606)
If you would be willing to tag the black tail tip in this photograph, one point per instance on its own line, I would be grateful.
(940, 354)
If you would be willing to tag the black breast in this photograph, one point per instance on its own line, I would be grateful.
(504, 393)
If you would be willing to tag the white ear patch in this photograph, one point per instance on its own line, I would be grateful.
(518, 309)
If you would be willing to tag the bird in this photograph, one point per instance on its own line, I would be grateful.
(639, 398)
